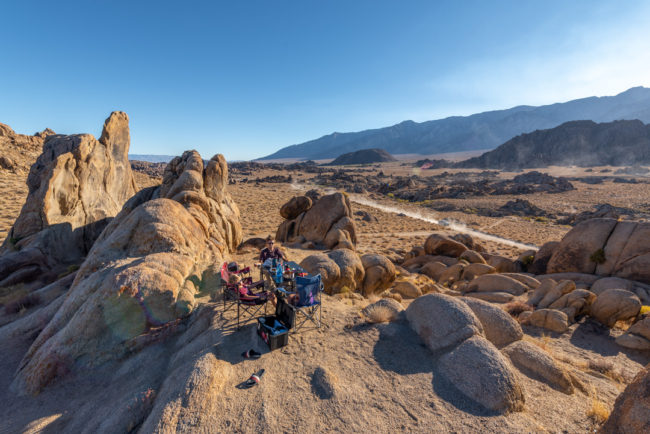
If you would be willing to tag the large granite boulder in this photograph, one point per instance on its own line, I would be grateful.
(142, 272)
(379, 275)
(614, 305)
(442, 321)
(499, 327)
(340, 270)
(550, 319)
(631, 413)
(351, 267)
(328, 223)
(478, 370)
(442, 244)
(76, 186)
(496, 282)
(537, 363)
(296, 206)
(606, 247)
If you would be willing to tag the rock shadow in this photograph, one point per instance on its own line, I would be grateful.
(400, 350)
(593, 336)
(446, 390)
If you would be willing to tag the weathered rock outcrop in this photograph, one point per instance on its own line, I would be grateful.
(340, 270)
(327, 223)
(537, 363)
(442, 321)
(615, 305)
(637, 336)
(631, 412)
(142, 272)
(77, 185)
(483, 374)
(442, 244)
(605, 247)
(379, 273)
(550, 319)
(499, 327)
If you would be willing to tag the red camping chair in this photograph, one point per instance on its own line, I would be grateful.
(232, 295)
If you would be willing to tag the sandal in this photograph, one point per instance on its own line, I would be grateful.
(254, 379)
(251, 354)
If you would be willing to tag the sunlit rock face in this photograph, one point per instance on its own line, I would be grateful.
(142, 272)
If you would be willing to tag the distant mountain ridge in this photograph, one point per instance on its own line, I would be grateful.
(364, 156)
(151, 158)
(479, 131)
(582, 143)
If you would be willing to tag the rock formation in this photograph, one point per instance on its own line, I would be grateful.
(605, 247)
(142, 272)
(328, 222)
(77, 185)
(631, 412)
(470, 362)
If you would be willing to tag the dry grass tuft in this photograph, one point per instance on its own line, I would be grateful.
(378, 314)
(22, 303)
(16, 298)
(606, 368)
(542, 342)
(598, 412)
(515, 308)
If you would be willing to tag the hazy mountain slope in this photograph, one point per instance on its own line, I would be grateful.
(151, 158)
(363, 156)
(479, 131)
(584, 143)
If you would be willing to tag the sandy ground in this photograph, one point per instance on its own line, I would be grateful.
(379, 378)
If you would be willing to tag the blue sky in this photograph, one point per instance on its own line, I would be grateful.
(244, 78)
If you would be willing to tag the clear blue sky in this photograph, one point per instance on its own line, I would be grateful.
(245, 78)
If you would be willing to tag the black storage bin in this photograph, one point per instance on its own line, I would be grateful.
(274, 329)
(273, 339)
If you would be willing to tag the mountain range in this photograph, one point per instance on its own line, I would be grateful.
(480, 131)
(583, 143)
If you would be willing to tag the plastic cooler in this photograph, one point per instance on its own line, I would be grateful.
(274, 329)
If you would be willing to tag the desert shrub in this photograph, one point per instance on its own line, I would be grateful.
(515, 308)
(527, 260)
(598, 256)
(71, 269)
(378, 314)
(24, 302)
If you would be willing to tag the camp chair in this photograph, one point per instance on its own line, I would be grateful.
(309, 305)
(230, 291)
(231, 295)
